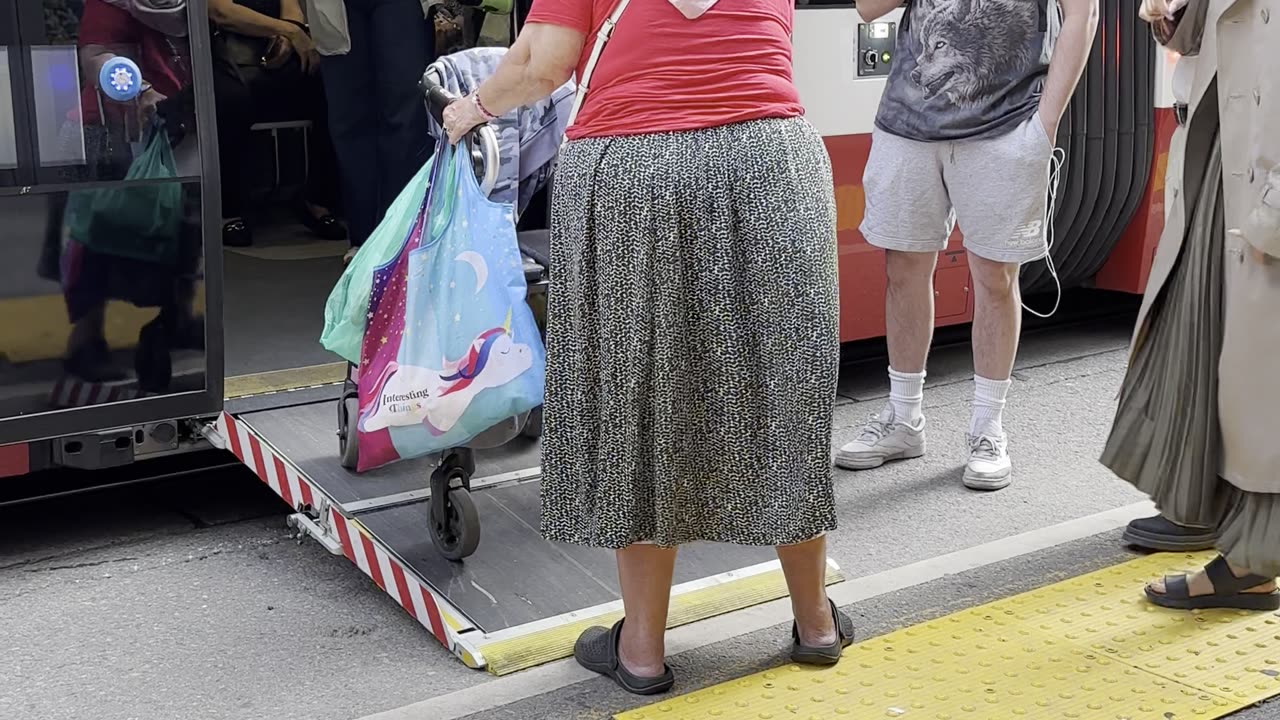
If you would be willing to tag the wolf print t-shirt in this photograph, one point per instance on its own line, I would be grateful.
(968, 69)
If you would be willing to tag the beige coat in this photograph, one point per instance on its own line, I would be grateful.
(1241, 47)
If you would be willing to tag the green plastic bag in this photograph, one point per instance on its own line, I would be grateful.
(346, 311)
(138, 221)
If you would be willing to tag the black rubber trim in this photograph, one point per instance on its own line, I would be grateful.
(1108, 137)
(1104, 239)
(1110, 118)
(1143, 59)
(1071, 229)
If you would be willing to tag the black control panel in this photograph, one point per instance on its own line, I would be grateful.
(876, 43)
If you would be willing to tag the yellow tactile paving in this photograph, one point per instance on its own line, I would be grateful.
(1089, 648)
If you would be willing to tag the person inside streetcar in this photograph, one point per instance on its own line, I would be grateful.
(265, 69)
(102, 257)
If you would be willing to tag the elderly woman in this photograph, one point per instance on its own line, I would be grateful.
(1201, 401)
(692, 340)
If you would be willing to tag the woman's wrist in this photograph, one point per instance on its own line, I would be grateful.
(291, 31)
(480, 109)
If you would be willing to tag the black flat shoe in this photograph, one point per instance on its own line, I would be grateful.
(236, 234)
(326, 227)
(597, 651)
(825, 654)
(1161, 534)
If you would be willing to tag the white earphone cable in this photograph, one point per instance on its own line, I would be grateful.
(1055, 171)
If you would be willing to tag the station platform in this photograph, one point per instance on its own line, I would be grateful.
(1089, 647)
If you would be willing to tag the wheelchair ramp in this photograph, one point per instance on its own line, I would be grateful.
(519, 601)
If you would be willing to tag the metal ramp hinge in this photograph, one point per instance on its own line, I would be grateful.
(210, 432)
(309, 526)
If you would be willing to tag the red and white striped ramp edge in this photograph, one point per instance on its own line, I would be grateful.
(361, 548)
(71, 392)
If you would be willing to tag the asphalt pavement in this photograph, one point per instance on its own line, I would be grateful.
(190, 599)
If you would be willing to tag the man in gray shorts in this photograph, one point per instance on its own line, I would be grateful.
(964, 134)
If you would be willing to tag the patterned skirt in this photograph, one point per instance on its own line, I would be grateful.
(1165, 439)
(692, 339)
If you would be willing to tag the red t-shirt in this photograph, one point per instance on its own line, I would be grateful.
(661, 72)
(163, 61)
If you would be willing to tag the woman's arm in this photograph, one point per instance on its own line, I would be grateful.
(103, 29)
(542, 59)
(291, 10)
(243, 21)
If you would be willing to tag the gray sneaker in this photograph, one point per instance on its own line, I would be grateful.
(989, 467)
(880, 441)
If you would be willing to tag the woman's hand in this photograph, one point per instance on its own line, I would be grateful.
(278, 53)
(1153, 10)
(461, 117)
(305, 48)
(148, 103)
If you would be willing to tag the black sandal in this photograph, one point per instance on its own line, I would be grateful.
(597, 651)
(827, 654)
(1228, 591)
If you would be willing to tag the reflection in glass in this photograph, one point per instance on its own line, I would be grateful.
(55, 74)
(101, 296)
(103, 130)
(8, 131)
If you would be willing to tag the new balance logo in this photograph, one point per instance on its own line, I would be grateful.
(1028, 233)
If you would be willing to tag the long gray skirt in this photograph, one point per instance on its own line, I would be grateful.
(1165, 439)
(692, 339)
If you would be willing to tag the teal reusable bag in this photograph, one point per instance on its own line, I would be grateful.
(142, 222)
(348, 304)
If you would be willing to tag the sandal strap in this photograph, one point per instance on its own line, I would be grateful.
(615, 642)
(1225, 582)
(1176, 587)
(844, 624)
(630, 682)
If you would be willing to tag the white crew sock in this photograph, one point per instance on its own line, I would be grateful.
(988, 406)
(906, 396)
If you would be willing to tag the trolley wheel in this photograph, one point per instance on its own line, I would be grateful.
(348, 448)
(533, 426)
(455, 527)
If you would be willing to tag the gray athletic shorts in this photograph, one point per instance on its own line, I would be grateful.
(996, 188)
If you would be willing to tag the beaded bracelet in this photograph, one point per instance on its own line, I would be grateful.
(484, 112)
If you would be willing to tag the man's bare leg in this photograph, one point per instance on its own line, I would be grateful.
(997, 317)
(908, 306)
(898, 432)
(997, 324)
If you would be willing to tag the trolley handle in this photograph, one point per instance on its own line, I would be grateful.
(485, 157)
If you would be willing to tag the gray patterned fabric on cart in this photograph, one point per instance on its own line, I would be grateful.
(528, 137)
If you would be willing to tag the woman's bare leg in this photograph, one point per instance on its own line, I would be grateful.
(645, 572)
(805, 567)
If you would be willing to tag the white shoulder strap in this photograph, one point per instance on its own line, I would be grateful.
(602, 37)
